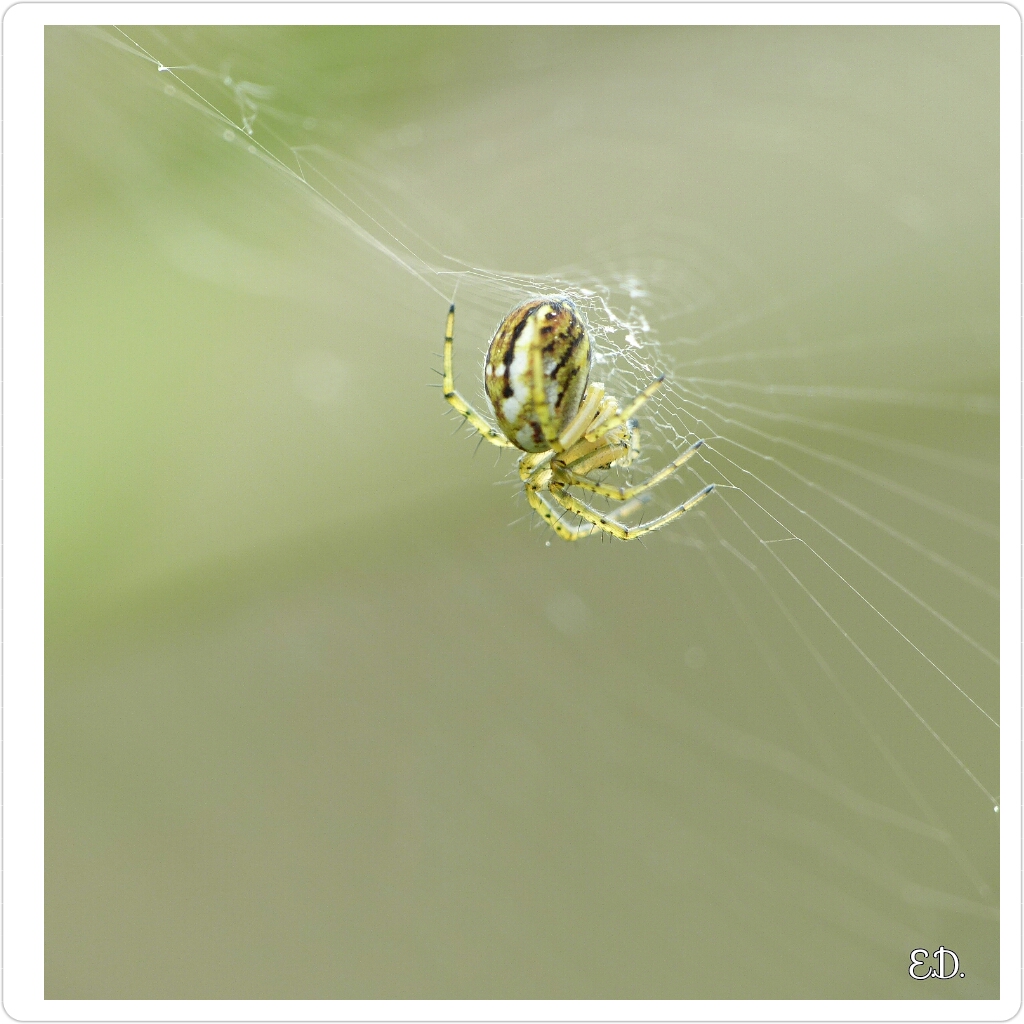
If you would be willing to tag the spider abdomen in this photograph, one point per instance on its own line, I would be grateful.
(553, 325)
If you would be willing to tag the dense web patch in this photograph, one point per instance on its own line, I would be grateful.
(846, 534)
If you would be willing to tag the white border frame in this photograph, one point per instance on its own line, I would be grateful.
(22, 49)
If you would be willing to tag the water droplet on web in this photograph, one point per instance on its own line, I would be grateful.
(229, 135)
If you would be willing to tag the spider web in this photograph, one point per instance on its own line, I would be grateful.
(871, 546)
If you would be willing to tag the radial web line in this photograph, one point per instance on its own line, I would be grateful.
(936, 828)
(914, 545)
(981, 405)
(966, 637)
(938, 559)
(840, 576)
(934, 456)
(853, 643)
(939, 508)
(891, 531)
(355, 227)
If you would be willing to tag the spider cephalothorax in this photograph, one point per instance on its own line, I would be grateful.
(537, 376)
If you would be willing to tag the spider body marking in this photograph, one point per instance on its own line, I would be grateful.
(553, 327)
(537, 379)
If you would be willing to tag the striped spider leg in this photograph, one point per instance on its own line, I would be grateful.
(618, 446)
(456, 401)
(535, 473)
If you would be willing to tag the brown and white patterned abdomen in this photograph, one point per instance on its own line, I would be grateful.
(554, 325)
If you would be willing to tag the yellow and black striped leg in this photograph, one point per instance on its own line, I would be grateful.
(554, 517)
(610, 524)
(624, 415)
(529, 464)
(457, 402)
(575, 476)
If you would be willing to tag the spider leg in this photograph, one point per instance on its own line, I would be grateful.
(457, 402)
(584, 417)
(623, 415)
(535, 483)
(538, 480)
(575, 476)
(529, 464)
(602, 454)
(631, 440)
(630, 507)
(577, 454)
(609, 524)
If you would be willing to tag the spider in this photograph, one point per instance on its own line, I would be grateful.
(536, 376)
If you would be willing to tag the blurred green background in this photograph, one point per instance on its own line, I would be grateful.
(325, 716)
